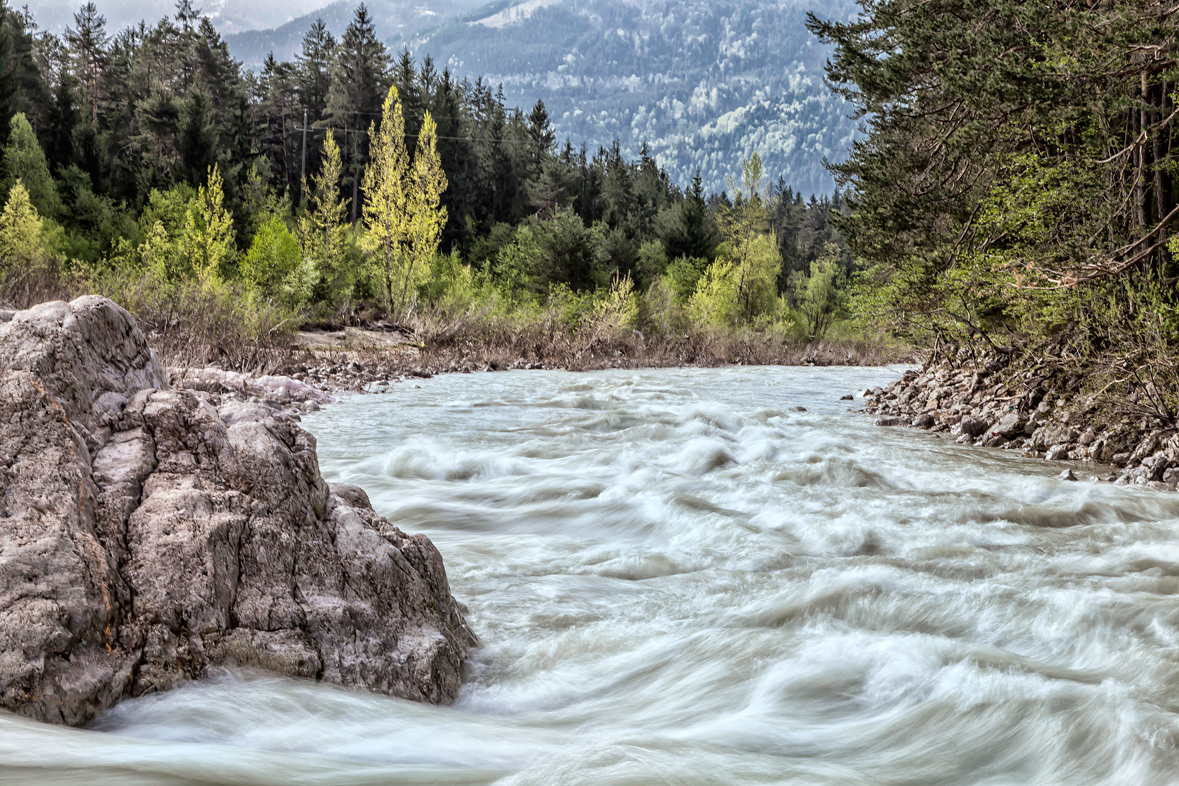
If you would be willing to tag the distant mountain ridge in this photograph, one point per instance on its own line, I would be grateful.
(703, 83)
(230, 16)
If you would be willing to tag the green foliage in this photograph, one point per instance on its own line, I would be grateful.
(745, 227)
(820, 298)
(275, 265)
(322, 234)
(618, 308)
(1014, 197)
(167, 208)
(426, 215)
(24, 160)
(95, 222)
(388, 210)
(259, 202)
(160, 172)
(559, 251)
(739, 290)
(159, 256)
(652, 262)
(683, 274)
(21, 243)
(693, 234)
(206, 243)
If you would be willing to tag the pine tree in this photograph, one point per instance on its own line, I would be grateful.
(25, 161)
(276, 116)
(413, 103)
(387, 203)
(541, 137)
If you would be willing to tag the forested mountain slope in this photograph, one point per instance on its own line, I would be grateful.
(703, 82)
(397, 22)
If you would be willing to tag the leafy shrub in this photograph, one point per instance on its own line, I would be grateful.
(275, 265)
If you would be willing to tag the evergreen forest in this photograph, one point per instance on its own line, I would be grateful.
(355, 185)
(1015, 193)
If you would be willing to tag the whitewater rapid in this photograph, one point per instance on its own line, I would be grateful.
(679, 578)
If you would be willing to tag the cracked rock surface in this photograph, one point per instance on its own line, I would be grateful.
(148, 534)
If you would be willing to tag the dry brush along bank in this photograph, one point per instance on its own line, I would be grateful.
(992, 404)
(359, 366)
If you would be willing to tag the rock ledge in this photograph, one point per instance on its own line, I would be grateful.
(149, 533)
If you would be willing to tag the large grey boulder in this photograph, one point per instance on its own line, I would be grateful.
(148, 534)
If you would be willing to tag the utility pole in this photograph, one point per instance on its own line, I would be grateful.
(303, 169)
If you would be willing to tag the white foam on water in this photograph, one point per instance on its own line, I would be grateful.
(679, 578)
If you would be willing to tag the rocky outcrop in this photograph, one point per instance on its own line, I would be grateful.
(985, 403)
(148, 533)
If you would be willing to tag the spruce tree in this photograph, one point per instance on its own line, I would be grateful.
(693, 235)
(359, 84)
(314, 64)
(88, 44)
(22, 88)
(24, 160)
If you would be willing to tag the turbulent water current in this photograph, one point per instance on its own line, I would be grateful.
(680, 579)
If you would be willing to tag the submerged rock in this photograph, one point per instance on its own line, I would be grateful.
(148, 534)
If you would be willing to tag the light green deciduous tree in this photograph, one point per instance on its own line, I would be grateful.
(21, 245)
(386, 202)
(207, 241)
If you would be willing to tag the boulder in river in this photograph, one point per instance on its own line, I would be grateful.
(148, 534)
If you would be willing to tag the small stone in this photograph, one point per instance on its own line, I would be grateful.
(848, 397)
(965, 439)
(1067, 475)
(798, 409)
(973, 426)
(924, 420)
(1008, 426)
(1057, 453)
(892, 421)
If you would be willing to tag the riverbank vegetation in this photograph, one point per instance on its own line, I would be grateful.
(1015, 190)
(356, 188)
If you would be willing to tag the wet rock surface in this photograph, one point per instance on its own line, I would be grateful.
(149, 532)
(983, 403)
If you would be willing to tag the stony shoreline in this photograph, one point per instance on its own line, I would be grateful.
(986, 404)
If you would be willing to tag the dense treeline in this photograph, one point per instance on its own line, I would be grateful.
(149, 165)
(1016, 187)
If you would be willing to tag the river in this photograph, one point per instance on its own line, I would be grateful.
(680, 579)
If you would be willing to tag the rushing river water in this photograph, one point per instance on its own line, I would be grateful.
(680, 580)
